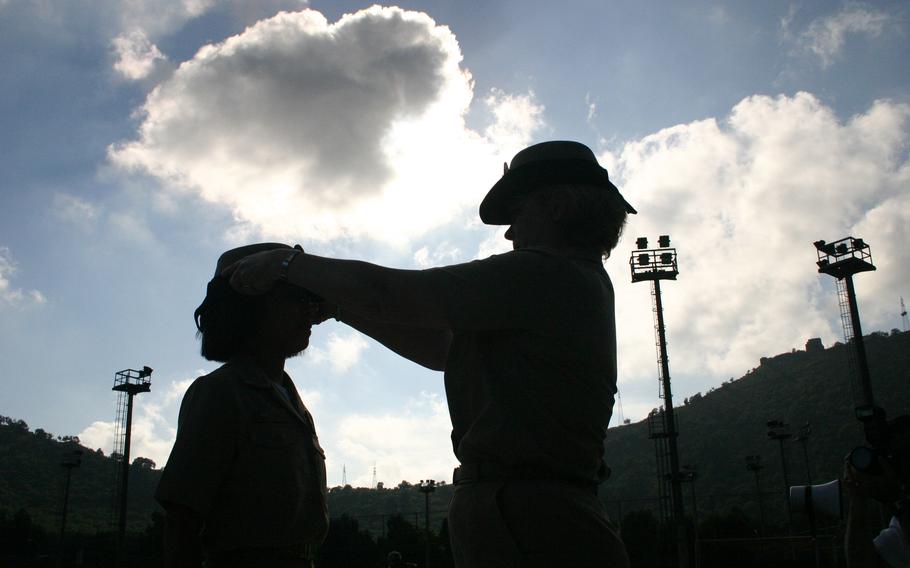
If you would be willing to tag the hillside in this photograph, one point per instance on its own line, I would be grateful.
(717, 430)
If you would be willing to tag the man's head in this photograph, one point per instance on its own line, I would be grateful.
(230, 323)
(557, 193)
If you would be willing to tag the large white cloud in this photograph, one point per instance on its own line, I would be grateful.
(342, 352)
(744, 199)
(408, 445)
(306, 128)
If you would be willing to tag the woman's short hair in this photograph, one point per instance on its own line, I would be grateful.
(592, 218)
(226, 320)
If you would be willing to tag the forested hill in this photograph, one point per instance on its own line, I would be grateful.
(717, 430)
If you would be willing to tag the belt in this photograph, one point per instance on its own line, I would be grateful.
(491, 471)
(291, 555)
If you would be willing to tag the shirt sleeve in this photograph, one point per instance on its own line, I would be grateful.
(203, 450)
(505, 291)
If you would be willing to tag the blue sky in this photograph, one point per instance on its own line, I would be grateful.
(142, 139)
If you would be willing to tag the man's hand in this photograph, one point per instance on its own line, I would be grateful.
(256, 274)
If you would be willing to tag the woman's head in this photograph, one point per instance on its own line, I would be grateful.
(230, 323)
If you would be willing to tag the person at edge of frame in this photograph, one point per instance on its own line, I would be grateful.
(889, 485)
(527, 341)
(245, 484)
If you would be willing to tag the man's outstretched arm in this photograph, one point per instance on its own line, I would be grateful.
(426, 347)
(376, 293)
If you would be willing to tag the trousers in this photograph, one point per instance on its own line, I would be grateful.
(531, 524)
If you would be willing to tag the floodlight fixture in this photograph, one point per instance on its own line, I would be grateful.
(653, 264)
(844, 257)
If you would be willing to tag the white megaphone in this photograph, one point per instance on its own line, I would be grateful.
(817, 499)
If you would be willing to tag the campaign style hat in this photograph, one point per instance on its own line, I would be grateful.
(217, 289)
(540, 165)
(230, 257)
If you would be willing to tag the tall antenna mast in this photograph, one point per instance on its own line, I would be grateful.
(344, 475)
(905, 323)
(373, 484)
(622, 419)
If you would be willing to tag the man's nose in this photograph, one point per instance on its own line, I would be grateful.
(508, 234)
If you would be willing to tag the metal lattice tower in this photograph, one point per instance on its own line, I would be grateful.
(655, 306)
(655, 265)
(128, 383)
(843, 301)
(842, 259)
(657, 431)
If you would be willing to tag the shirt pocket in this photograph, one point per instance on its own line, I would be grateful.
(275, 433)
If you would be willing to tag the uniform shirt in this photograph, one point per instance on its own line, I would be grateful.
(248, 461)
(891, 544)
(531, 371)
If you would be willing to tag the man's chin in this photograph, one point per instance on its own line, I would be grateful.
(298, 349)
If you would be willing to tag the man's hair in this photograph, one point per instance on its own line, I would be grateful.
(226, 320)
(593, 216)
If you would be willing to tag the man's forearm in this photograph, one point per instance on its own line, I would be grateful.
(426, 347)
(387, 295)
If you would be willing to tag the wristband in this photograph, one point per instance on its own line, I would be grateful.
(286, 263)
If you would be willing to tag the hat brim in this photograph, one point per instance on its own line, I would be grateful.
(230, 257)
(496, 208)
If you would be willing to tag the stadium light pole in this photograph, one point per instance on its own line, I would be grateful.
(654, 265)
(427, 487)
(73, 460)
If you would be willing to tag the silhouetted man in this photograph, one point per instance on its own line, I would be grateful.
(528, 344)
(889, 484)
(245, 483)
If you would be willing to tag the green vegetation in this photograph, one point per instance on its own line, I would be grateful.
(718, 429)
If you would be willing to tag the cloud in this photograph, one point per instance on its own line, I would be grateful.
(307, 128)
(136, 55)
(743, 200)
(413, 444)
(14, 297)
(154, 424)
(495, 243)
(342, 351)
(825, 37)
(445, 253)
(75, 210)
